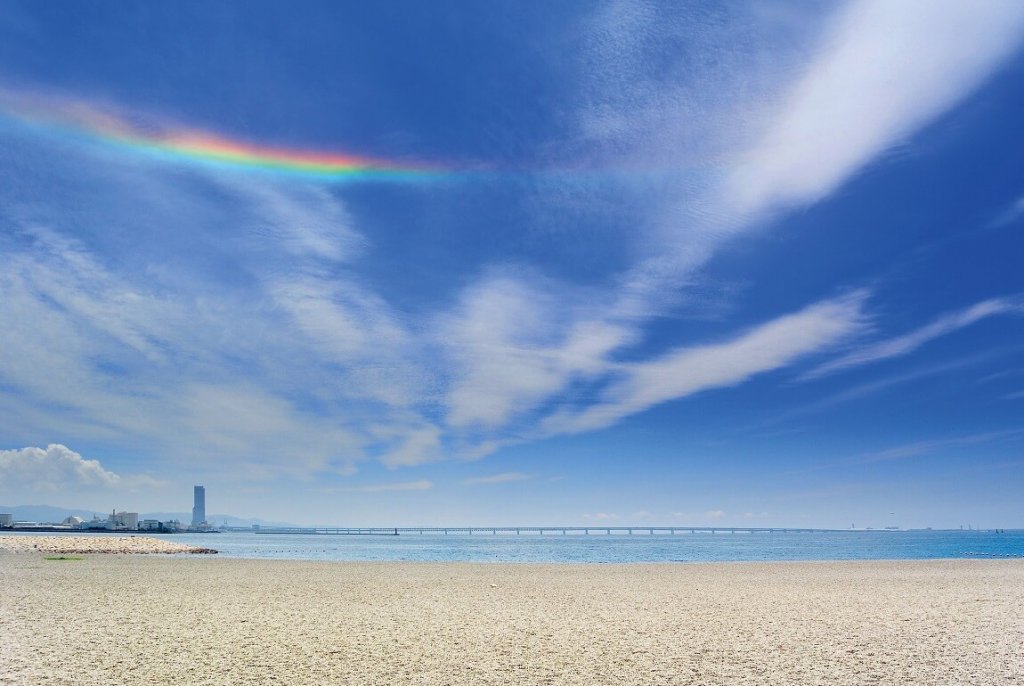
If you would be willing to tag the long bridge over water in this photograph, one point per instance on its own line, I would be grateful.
(532, 530)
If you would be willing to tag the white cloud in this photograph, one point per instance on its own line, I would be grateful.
(601, 516)
(205, 380)
(480, 449)
(416, 446)
(1008, 216)
(303, 219)
(347, 323)
(56, 468)
(420, 485)
(885, 69)
(347, 326)
(708, 515)
(513, 347)
(870, 388)
(690, 370)
(1005, 373)
(266, 432)
(504, 477)
(908, 343)
(283, 355)
(909, 450)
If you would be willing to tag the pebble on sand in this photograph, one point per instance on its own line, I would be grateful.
(80, 545)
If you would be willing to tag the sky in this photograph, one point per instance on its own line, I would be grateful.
(404, 263)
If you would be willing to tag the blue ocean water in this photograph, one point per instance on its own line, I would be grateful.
(601, 548)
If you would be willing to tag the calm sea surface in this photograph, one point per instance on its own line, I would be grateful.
(598, 548)
(602, 548)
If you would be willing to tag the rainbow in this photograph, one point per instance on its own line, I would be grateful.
(176, 144)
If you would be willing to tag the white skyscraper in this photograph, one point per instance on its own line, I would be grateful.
(199, 506)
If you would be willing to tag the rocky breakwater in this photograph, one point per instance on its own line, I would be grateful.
(86, 545)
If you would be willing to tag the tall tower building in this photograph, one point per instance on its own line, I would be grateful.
(199, 506)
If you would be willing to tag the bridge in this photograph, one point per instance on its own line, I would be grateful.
(531, 530)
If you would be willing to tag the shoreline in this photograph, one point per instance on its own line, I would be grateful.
(211, 554)
(215, 620)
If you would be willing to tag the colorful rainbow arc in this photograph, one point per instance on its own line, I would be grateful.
(197, 147)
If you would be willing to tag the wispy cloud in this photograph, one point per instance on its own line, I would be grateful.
(420, 485)
(416, 445)
(796, 160)
(1009, 215)
(190, 370)
(884, 69)
(1000, 375)
(515, 346)
(870, 388)
(919, 448)
(907, 343)
(706, 516)
(503, 478)
(204, 316)
(600, 516)
(687, 371)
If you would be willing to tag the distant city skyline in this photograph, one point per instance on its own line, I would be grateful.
(511, 263)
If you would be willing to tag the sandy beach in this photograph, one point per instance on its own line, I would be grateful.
(203, 620)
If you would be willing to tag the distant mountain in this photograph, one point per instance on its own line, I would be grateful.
(50, 514)
(47, 513)
(215, 519)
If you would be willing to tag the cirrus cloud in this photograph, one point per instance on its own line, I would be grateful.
(503, 478)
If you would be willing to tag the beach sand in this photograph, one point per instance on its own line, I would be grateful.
(203, 620)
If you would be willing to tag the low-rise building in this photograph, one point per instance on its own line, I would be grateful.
(93, 524)
(124, 520)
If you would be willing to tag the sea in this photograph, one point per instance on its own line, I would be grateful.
(597, 548)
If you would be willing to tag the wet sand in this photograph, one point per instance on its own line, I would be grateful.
(203, 620)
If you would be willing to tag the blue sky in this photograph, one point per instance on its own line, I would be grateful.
(685, 263)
